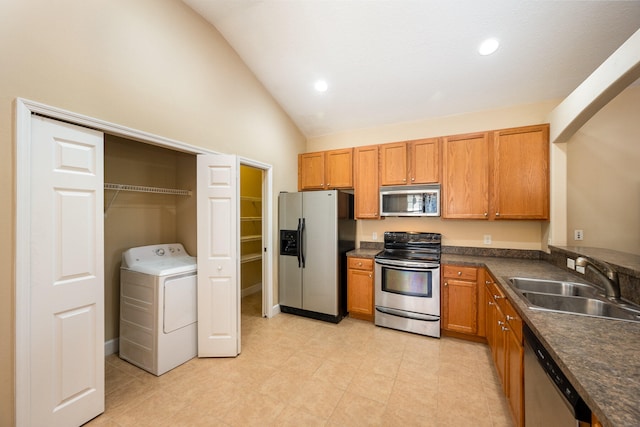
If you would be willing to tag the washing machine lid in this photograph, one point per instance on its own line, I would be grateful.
(159, 260)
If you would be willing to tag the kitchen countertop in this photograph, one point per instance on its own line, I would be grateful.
(600, 357)
(363, 253)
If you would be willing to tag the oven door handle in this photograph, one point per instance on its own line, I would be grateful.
(408, 314)
(408, 265)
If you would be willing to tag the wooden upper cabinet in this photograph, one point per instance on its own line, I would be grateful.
(311, 171)
(393, 164)
(465, 176)
(521, 173)
(424, 161)
(410, 162)
(366, 187)
(339, 168)
(325, 170)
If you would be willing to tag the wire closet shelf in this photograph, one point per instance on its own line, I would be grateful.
(141, 189)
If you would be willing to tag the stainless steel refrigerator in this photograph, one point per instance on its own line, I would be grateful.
(317, 229)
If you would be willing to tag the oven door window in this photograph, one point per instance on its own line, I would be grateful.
(407, 282)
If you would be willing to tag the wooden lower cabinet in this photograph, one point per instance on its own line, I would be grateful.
(459, 302)
(360, 288)
(504, 335)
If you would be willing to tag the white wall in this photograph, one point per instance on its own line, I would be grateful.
(603, 177)
(149, 65)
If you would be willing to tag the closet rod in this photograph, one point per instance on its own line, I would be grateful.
(143, 189)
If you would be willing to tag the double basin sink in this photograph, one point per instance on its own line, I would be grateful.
(570, 297)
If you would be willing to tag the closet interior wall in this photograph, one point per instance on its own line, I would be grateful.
(139, 219)
(251, 229)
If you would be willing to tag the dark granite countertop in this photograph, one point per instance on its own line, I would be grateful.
(363, 253)
(367, 250)
(600, 357)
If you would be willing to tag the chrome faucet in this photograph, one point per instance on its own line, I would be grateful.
(606, 273)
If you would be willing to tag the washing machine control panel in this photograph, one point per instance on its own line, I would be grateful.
(168, 254)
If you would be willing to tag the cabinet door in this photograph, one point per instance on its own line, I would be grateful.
(339, 168)
(490, 318)
(515, 375)
(311, 171)
(424, 161)
(366, 188)
(465, 176)
(360, 294)
(521, 173)
(393, 163)
(499, 356)
(460, 310)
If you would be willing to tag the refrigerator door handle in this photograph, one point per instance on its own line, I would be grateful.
(302, 243)
(299, 242)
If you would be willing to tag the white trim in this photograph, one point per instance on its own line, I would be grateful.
(267, 234)
(275, 309)
(111, 346)
(111, 128)
(24, 108)
(22, 277)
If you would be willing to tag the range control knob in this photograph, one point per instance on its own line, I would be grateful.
(160, 252)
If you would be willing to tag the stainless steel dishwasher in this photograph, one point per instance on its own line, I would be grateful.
(549, 399)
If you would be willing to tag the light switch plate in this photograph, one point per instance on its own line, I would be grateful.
(580, 269)
(487, 239)
(374, 235)
(571, 263)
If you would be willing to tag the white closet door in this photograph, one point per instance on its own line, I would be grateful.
(218, 258)
(67, 274)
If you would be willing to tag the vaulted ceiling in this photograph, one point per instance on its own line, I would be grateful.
(390, 61)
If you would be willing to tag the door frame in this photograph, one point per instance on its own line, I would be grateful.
(267, 234)
(24, 108)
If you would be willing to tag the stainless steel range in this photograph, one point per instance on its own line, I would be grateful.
(408, 283)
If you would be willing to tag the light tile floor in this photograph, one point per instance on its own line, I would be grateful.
(295, 371)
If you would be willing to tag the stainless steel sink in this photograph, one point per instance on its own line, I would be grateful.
(580, 305)
(574, 298)
(553, 287)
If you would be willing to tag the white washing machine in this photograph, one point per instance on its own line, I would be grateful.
(158, 314)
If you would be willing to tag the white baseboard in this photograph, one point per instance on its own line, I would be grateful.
(275, 310)
(251, 290)
(111, 346)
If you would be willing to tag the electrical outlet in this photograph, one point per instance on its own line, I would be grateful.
(571, 263)
(374, 235)
(580, 269)
(578, 234)
(487, 239)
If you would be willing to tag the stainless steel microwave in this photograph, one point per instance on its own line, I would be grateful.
(410, 200)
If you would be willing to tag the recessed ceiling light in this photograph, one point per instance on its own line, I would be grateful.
(488, 46)
(321, 86)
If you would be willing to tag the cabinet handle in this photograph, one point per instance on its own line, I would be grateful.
(413, 179)
(487, 282)
(404, 179)
(370, 276)
(459, 273)
(500, 323)
(497, 297)
(497, 213)
(490, 303)
(510, 317)
(359, 264)
(486, 214)
(446, 284)
(505, 329)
